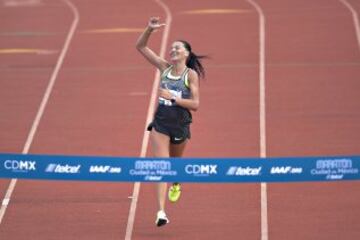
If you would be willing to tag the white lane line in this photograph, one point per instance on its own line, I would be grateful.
(355, 17)
(22, 3)
(44, 101)
(262, 110)
(150, 113)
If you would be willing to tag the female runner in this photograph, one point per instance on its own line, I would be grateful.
(178, 95)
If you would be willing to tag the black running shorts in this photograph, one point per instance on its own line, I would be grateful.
(173, 122)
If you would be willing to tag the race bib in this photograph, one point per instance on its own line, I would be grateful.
(167, 102)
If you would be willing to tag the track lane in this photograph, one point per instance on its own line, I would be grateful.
(91, 112)
(203, 209)
(312, 111)
(24, 77)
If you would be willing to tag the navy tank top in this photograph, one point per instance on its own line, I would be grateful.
(168, 112)
(177, 85)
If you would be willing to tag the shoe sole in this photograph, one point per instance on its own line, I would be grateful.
(161, 222)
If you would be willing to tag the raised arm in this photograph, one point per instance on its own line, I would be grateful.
(141, 45)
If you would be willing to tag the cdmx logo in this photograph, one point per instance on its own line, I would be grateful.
(201, 169)
(20, 165)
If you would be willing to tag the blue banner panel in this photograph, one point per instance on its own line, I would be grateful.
(216, 170)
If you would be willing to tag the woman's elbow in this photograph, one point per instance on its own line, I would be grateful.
(138, 46)
(195, 106)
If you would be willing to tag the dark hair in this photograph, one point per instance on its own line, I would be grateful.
(193, 60)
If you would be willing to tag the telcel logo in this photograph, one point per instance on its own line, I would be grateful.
(201, 169)
(58, 168)
(243, 171)
(19, 165)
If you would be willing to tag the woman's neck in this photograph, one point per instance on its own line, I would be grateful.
(178, 68)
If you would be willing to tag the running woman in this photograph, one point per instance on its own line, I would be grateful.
(178, 95)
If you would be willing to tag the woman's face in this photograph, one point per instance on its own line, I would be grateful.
(178, 52)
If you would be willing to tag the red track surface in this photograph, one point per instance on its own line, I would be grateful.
(100, 99)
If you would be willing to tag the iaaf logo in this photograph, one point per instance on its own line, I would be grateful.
(58, 168)
(20, 165)
(286, 170)
(104, 169)
(201, 170)
(243, 171)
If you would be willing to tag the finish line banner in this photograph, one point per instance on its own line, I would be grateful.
(216, 170)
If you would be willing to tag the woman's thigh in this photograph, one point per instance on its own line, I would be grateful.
(160, 144)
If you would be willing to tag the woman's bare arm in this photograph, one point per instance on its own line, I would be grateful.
(141, 45)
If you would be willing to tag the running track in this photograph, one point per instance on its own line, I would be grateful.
(100, 99)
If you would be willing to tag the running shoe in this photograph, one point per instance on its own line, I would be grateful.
(161, 218)
(174, 192)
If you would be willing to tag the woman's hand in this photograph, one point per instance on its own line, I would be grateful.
(165, 93)
(154, 23)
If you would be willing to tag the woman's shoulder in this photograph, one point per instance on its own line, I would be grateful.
(166, 70)
(192, 73)
(167, 67)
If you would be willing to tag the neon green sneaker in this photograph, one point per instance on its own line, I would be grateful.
(174, 192)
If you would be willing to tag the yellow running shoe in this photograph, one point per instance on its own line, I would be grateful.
(174, 192)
